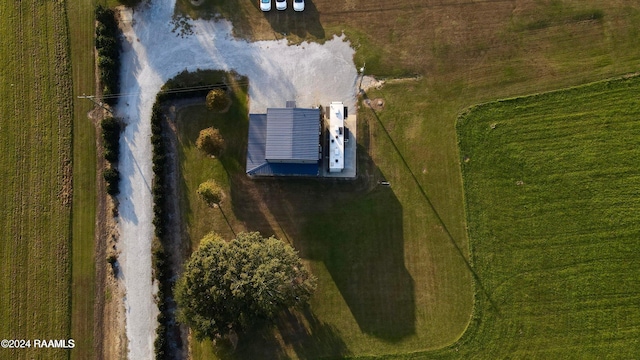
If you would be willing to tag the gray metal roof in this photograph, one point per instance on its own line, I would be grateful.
(257, 141)
(257, 165)
(292, 135)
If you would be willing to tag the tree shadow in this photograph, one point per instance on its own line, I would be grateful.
(309, 337)
(305, 24)
(295, 331)
(247, 20)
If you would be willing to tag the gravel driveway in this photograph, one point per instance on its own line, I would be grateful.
(311, 74)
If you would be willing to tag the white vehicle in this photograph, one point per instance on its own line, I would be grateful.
(281, 4)
(265, 5)
(298, 5)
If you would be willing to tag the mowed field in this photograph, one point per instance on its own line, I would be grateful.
(35, 176)
(88, 271)
(552, 189)
(363, 241)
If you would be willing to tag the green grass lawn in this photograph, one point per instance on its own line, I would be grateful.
(551, 184)
(467, 53)
(36, 145)
(81, 34)
(384, 287)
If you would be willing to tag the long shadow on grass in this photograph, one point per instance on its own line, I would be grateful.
(435, 211)
(361, 243)
(356, 229)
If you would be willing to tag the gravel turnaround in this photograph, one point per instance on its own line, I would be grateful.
(309, 73)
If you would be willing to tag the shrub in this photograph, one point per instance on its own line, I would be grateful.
(112, 258)
(210, 141)
(210, 192)
(111, 138)
(112, 178)
(217, 100)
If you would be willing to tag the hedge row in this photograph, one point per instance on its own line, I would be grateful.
(111, 138)
(108, 47)
(160, 219)
(111, 130)
(181, 86)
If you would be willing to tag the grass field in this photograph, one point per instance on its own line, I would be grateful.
(551, 184)
(376, 291)
(81, 34)
(83, 295)
(36, 90)
(467, 53)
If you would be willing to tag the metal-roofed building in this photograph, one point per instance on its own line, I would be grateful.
(293, 135)
(284, 142)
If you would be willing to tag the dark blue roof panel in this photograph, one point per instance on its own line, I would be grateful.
(285, 169)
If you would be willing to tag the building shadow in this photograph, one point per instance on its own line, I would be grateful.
(355, 227)
(364, 254)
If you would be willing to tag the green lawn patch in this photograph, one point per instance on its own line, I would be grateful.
(81, 15)
(384, 286)
(467, 53)
(551, 184)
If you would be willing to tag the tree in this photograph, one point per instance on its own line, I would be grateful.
(217, 100)
(111, 137)
(210, 141)
(210, 192)
(226, 286)
(112, 178)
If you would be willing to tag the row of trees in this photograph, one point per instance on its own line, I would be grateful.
(108, 47)
(162, 271)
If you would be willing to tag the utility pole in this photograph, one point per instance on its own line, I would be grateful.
(93, 99)
(361, 77)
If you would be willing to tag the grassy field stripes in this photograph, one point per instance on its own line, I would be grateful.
(35, 176)
(83, 295)
(552, 197)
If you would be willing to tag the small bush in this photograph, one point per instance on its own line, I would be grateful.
(112, 178)
(210, 192)
(112, 258)
(210, 141)
(217, 100)
(111, 138)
